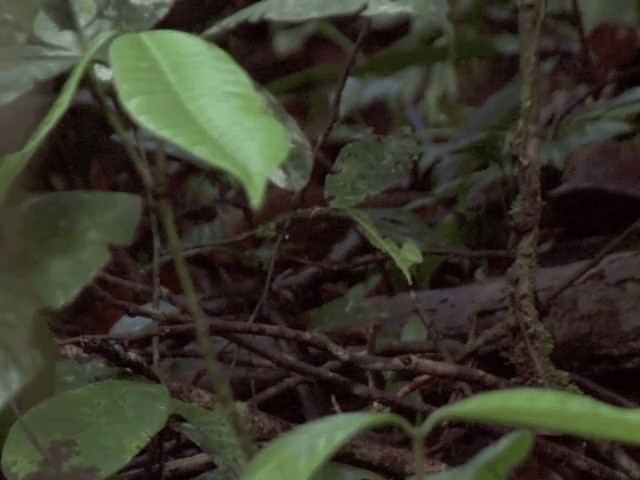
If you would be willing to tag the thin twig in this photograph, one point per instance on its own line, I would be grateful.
(337, 97)
(324, 135)
(157, 250)
(223, 390)
(606, 250)
(305, 369)
(587, 64)
(267, 281)
(597, 87)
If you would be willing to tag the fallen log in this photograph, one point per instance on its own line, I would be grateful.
(595, 318)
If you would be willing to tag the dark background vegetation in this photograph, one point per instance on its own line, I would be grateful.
(454, 82)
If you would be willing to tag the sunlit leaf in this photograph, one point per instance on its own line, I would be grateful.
(560, 412)
(195, 95)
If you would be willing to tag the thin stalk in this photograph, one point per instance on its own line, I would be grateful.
(167, 219)
(224, 395)
(418, 455)
(118, 126)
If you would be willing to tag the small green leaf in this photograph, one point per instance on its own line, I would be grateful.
(54, 244)
(495, 462)
(369, 165)
(414, 330)
(560, 412)
(347, 310)
(404, 257)
(89, 432)
(196, 96)
(212, 433)
(297, 455)
(13, 164)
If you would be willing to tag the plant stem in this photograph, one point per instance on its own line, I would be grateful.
(118, 126)
(418, 454)
(526, 210)
(224, 395)
(164, 210)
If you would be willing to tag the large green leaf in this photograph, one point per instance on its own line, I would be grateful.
(495, 462)
(13, 164)
(196, 96)
(303, 10)
(297, 455)
(560, 412)
(48, 41)
(86, 433)
(56, 243)
(53, 245)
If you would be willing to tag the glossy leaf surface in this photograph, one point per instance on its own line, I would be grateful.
(193, 94)
(560, 412)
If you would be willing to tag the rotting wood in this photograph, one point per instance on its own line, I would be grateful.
(598, 316)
